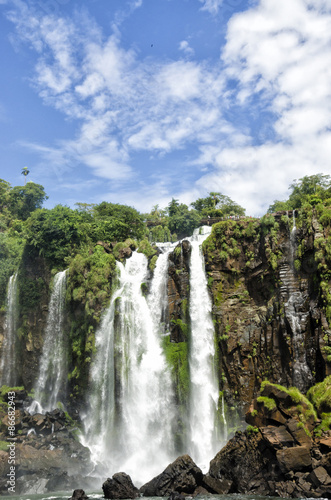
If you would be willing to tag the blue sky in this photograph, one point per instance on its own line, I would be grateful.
(139, 101)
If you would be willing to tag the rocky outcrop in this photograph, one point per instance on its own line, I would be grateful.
(48, 456)
(120, 486)
(277, 455)
(183, 476)
(178, 290)
(79, 495)
(267, 309)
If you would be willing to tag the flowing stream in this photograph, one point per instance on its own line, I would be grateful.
(8, 368)
(52, 379)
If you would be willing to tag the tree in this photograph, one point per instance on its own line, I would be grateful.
(129, 221)
(55, 233)
(182, 221)
(23, 200)
(4, 190)
(25, 172)
(311, 189)
(217, 205)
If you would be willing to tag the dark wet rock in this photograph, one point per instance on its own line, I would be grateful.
(294, 459)
(176, 496)
(120, 486)
(284, 459)
(182, 476)
(216, 486)
(79, 495)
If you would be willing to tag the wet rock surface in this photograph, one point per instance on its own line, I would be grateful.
(184, 477)
(119, 486)
(276, 456)
(48, 456)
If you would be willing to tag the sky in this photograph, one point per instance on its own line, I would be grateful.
(141, 101)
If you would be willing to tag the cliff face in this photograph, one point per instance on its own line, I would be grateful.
(269, 285)
(267, 304)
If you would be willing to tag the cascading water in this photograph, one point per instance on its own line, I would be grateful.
(8, 368)
(204, 392)
(131, 388)
(52, 379)
(297, 317)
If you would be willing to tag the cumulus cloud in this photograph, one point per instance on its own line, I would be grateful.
(279, 54)
(274, 74)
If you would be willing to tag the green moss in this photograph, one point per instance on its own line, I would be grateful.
(177, 359)
(144, 289)
(320, 396)
(152, 262)
(251, 429)
(146, 248)
(182, 325)
(305, 409)
(269, 403)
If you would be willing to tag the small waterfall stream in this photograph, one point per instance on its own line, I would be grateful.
(8, 368)
(52, 378)
(297, 316)
(204, 392)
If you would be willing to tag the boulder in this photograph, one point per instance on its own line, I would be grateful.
(216, 486)
(277, 437)
(120, 486)
(294, 459)
(181, 476)
(79, 495)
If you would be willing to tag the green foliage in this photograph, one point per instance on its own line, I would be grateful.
(11, 249)
(147, 249)
(56, 233)
(91, 275)
(310, 189)
(182, 221)
(269, 403)
(305, 408)
(126, 222)
(251, 429)
(23, 200)
(320, 396)
(177, 358)
(152, 263)
(217, 205)
(182, 325)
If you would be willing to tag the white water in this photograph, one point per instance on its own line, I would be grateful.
(131, 389)
(297, 317)
(204, 392)
(53, 370)
(8, 368)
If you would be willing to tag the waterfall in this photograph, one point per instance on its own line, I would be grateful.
(51, 382)
(8, 368)
(297, 317)
(204, 392)
(131, 388)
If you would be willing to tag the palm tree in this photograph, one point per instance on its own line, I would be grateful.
(25, 172)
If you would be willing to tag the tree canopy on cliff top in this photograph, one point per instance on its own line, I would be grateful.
(311, 189)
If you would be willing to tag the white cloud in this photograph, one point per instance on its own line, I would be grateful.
(211, 6)
(184, 46)
(277, 53)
